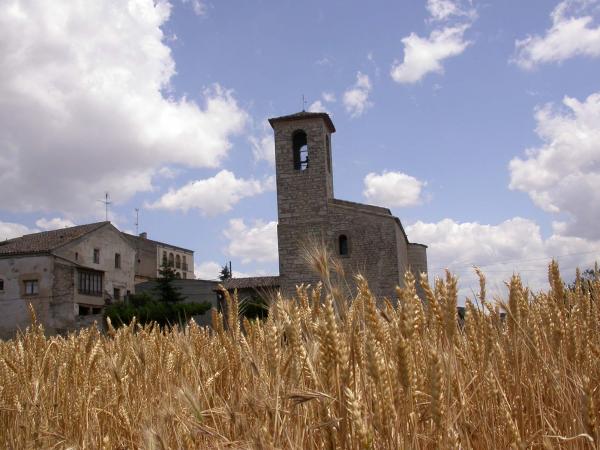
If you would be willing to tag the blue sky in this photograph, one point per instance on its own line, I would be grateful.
(477, 123)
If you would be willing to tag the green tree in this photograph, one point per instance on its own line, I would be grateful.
(585, 279)
(164, 289)
(163, 306)
(225, 273)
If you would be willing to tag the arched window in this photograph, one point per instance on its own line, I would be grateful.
(343, 244)
(171, 260)
(178, 261)
(164, 259)
(300, 147)
(328, 154)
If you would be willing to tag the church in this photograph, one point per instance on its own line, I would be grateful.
(363, 238)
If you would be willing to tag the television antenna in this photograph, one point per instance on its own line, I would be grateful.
(106, 202)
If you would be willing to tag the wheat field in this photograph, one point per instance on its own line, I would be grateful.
(322, 372)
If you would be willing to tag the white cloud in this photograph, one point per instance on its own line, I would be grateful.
(572, 34)
(443, 10)
(256, 243)
(329, 97)
(54, 224)
(198, 6)
(425, 55)
(208, 270)
(86, 112)
(563, 174)
(513, 246)
(356, 99)
(393, 189)
(213, 195)
(318, 106)
(324, 61)
(9, 230)
(263, 146)
(167, 172)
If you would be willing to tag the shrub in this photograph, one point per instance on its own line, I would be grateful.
(147, 309)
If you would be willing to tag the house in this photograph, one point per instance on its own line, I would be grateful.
(363, 238)
(68, 275)
(152, 255)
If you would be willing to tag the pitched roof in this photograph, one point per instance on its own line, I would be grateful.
(304, 115)
(134, 239)
(46, 241)
(251, 282)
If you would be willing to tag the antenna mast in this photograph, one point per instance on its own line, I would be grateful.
(106, 203)
(137, 221)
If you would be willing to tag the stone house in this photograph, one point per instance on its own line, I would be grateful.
(363, 238)
(152, 255)
(68, 275)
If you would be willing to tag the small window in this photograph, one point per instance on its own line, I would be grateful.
(84, 310)
(117, 260)
(178, 261)
(96, 310)
(343, 244)
(96, 256)
(31, 287)
(300, 148)
(117, 294)
(1, 284)
(171, 260)
(76, 256)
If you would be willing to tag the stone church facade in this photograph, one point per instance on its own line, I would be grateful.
(365, 238)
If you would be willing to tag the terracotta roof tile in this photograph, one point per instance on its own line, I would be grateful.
(251, 282)
(134, 239)
(46, 241)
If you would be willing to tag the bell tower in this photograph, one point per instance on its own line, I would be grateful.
(303, 165)
(304, 175)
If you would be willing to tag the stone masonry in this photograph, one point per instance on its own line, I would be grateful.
(376, 244)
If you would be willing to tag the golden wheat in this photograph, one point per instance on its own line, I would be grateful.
(319, 374)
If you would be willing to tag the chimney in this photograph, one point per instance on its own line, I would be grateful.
(144, 235)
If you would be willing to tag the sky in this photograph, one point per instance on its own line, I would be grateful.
(476, 122)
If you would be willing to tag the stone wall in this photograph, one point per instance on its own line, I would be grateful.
(194, 291)
(63, 311)
(146, 259)
(373, 245)
(302, 199)
(109, 241)
(309, 215)
(13, 299)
